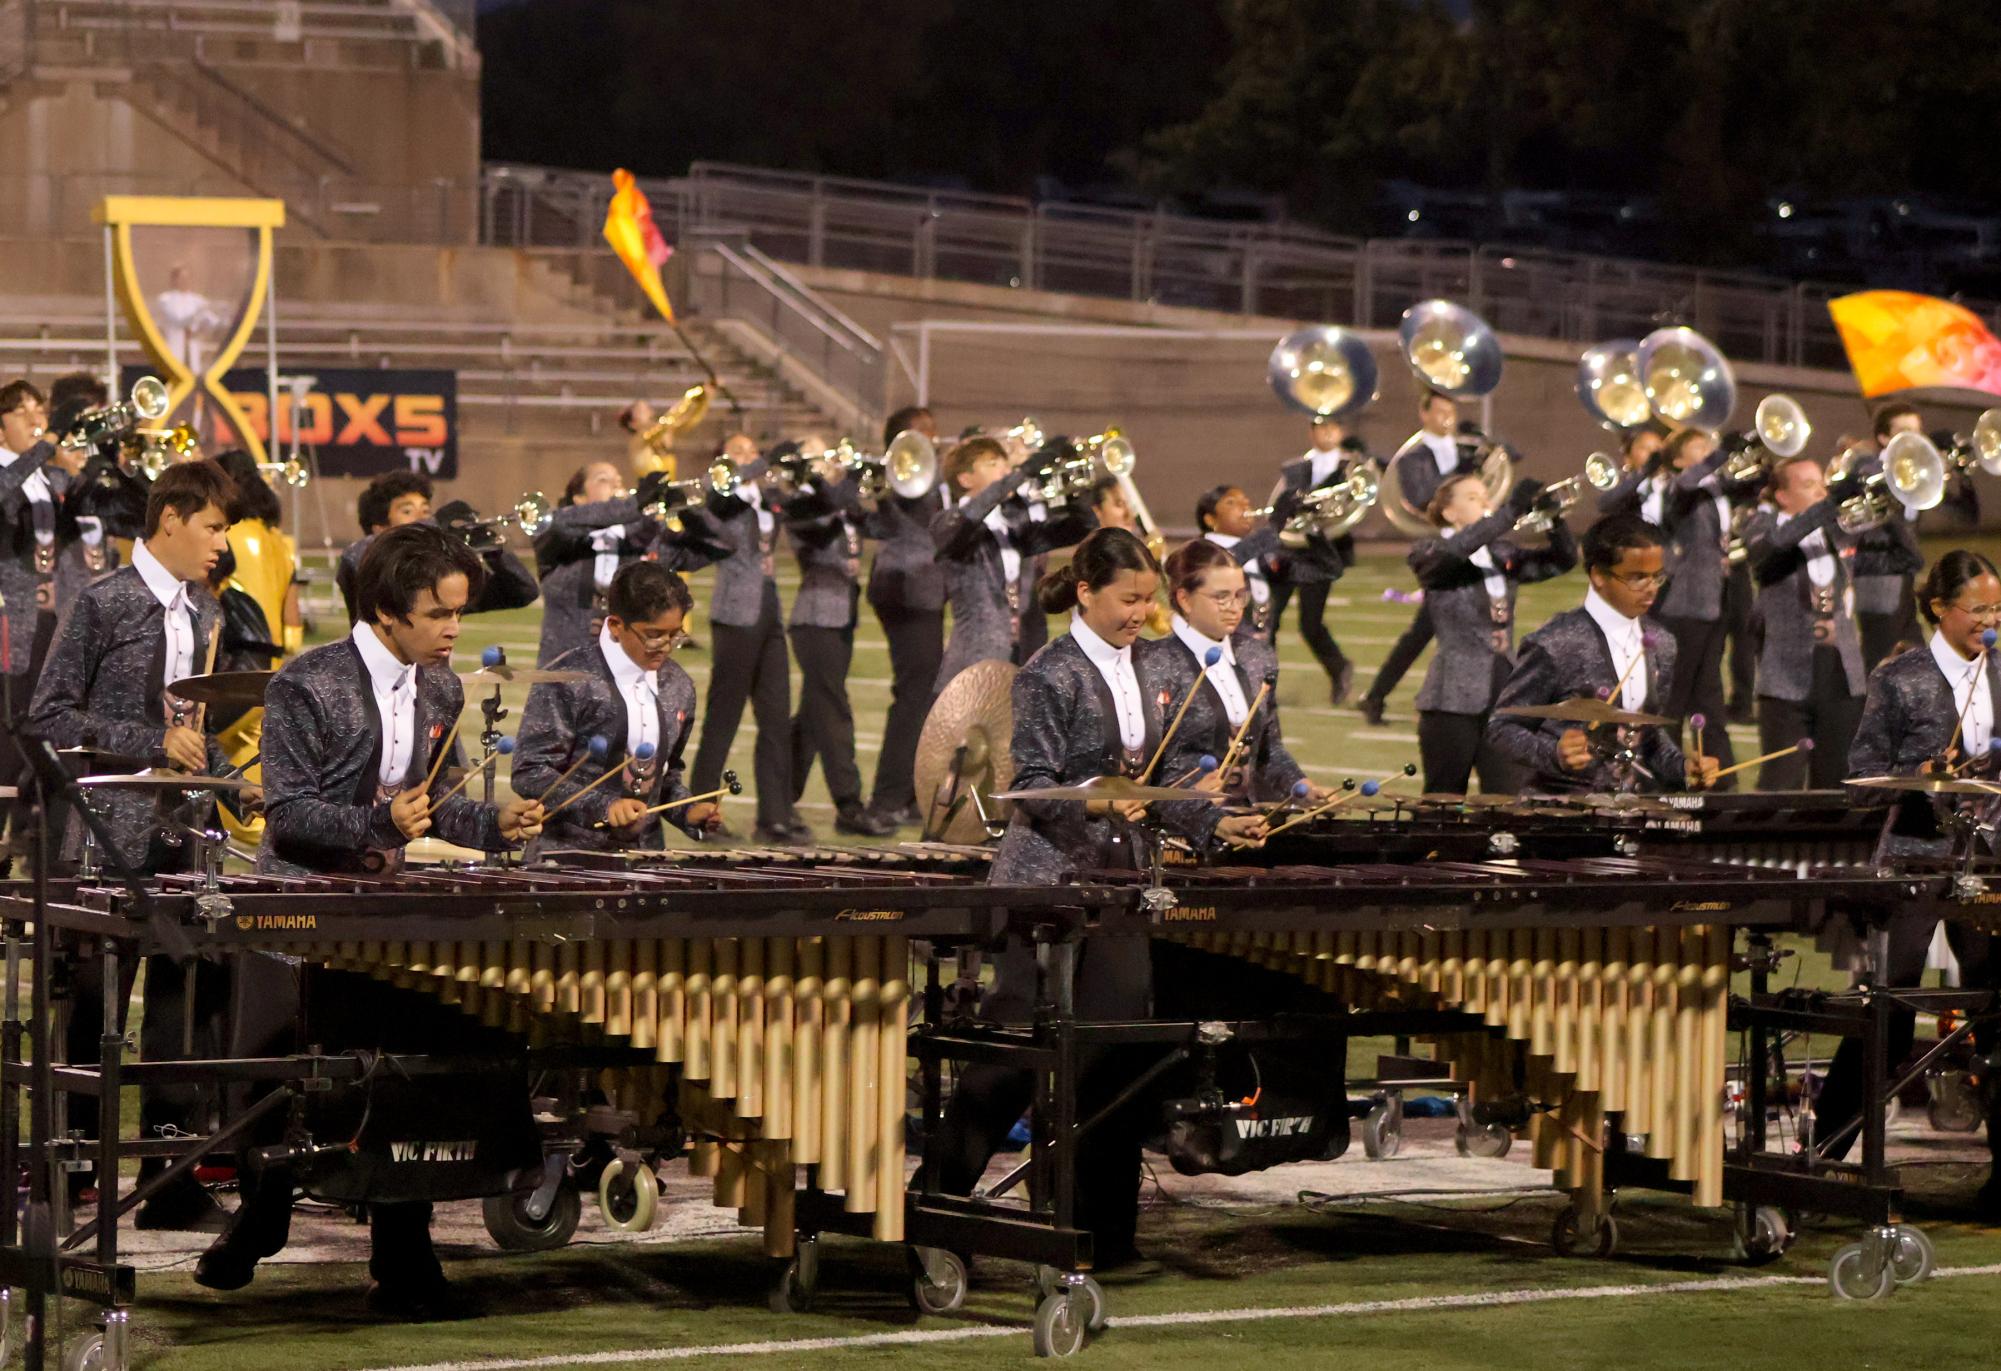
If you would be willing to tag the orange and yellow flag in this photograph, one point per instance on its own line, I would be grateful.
(1900, 341)
(629, 228)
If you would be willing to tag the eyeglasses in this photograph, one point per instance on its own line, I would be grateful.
(1227, 599)
(1639, 580)
(656, 640)
(1978, 611)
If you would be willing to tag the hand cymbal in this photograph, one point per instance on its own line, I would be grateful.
(1104, 788)
(223, 688)
(1930, 785)
(1583, 710)
(520, 675)
(165, 780)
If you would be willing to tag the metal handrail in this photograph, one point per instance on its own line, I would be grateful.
(812, 297)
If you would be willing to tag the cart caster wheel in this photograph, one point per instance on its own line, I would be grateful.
(515, 1229)
(1953, 1107)
(102, 1349)
(1483, 1140)
(85, 1354)
(937, 1280)
(1763, 1233)
(1570, 1238)
(1913, 1257)
(799, 1281)
(1382, 1129)
(1850, 1278)
(1098, 1318)
(6, 1324)
(628, 1195)
(1061, 1321)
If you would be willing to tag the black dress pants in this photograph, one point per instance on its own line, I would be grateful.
(1452, 746)
(916, 650)
(1313, 628)
(1829, 715)
(1739, 596)
(1697, 687)
(824, 727)
(750, 664)
(1404, 653)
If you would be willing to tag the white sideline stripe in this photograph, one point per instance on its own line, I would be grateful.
(1416, 1304)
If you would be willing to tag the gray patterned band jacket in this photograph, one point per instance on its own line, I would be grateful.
(825, 526)
(1695, 533)
(1794, 615)
(1908, 719)
(103, 686)
(743, 578)
(556, 730)
(1475, 631)
(905, 572)
(984, 624)
(322, 756)
(566, 558)
(20, 582)
(1167, 667)
(1567, 658)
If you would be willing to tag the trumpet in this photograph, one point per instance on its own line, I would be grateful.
(146, 452)
(1601, 473)
(908, 467)
(1981, 449)
(1912, 475)
(532, 514)
(1071, 479)
(1779, 430)
(291, 471)
(1331, 510)
(147, 401)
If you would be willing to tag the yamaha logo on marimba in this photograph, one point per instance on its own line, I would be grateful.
(80, 1280)
(277, 923)
(1700, 906)
(1190, 913)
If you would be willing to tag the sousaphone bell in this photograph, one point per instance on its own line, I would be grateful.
(1450, 350)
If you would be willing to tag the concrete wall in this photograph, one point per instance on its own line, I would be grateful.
(1200, 411)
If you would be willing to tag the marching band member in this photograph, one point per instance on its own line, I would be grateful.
(596, 529)
(104, 503)
(352, 733)
(987, 556)
(1643, 482)
(637, 694)
(1080, 711)
(29, 476)
(1208, 591)
(1223, 516)
(125, 639)
(1470, 575)
(265, 557)
(1313, 569)
(1810, 674)
(1608, 649)
(907, 591)
(1427, 457)
(404, 497)
(1918, 703)
(642, 453)
(1884, 605)
(749, 660)
(823, 520)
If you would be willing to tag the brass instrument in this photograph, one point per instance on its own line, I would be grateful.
(1609, 387)
(1325, 371)
(147, 401)
(146, 452)
(908, 467)
(531, 514)
(1979, 450)
(1687, 379)
(1101, 454)
(1735, 549)
(291, 471)
(1601, 473)
(658, 437)
(1451, 350)
(1911, 475)
(1778, 430)
(1331, 510)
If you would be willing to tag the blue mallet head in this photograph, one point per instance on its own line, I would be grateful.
(1988, 636)
(1205, 762)
(1215, 655)
(504, 747)
(1301, 789)
(492, 655)
(644, 752)
(600, 747)
(1371, 787)
(1994, 744)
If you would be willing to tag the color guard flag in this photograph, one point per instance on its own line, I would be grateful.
(1900, 341)
(629, 228)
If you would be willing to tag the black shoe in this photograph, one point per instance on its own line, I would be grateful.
(774, 835)
(427, 1302)
(1742, 712)
(182, 1209)
(1126, 1267)
(1344, 681)
(225, 1266)
(801, 831)
(722, 833)
(1372, 709)
(863, 823)
(910, 816)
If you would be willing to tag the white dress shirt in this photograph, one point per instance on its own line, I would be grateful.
(638, 690)
(1223, 675)
(1653, 498)
(395, 687)
(1010, 554)
(1321, 465)
(1497, 584)
(1444, 450)
(36, 491)
(1115, 664)
(1254, 570)
(1964, 676)
(1819, 556)
(606, 541)
(1627, 642)
(172, 593)
(753, 495)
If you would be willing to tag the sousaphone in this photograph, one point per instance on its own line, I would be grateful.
(1451, 350)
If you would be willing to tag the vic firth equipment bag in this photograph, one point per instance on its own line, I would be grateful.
(1272, 1106)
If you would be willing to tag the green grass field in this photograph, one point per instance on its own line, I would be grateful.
(1386, 1285)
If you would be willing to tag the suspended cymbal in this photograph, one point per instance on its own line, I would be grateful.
(223, 688)
(1930, 785)
(1104, 788)
(967, 746)
(520, 675)
(165, 780)
(1583, 710)
(97, 759)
